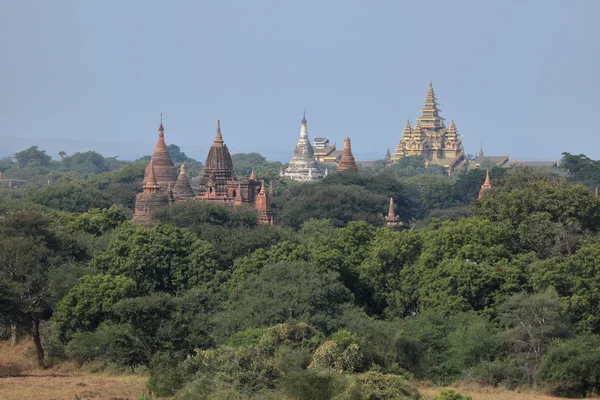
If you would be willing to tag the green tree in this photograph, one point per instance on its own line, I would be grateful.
(532, 322)
(162, 258)
(32, 157)
(89, 303)
(85, 164)
(287, 292)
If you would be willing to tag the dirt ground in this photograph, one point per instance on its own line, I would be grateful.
(21, 379)
(489, 393)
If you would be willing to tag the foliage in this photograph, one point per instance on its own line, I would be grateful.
(89, 302)
(99, 221)
(74, 196)
(294, 291)
(32, 157)
(162, 258)
(451, 395)
(572, 366)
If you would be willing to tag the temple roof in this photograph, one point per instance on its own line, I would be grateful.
(164, 169)
(218, 158)
(430, 117)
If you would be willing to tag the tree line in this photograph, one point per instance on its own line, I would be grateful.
(327, 304)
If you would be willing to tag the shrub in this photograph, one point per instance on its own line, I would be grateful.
(451, 395)
(165, 376)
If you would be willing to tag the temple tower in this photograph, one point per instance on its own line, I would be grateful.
(303, 166)
(164, 169)
(388, 157)
(219, 183)
(151, 198)
(182, 190)
(347, 161)
(430, 138)
(392, 220)
(486, 185)
(263, 206)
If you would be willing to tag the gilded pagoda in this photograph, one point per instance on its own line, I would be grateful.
(440, 145)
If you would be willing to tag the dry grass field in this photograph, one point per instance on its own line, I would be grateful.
(20, 379)
(489, 393)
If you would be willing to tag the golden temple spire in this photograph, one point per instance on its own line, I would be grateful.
(218, 136)
(407, 128)
(430, 117)
(253, 175)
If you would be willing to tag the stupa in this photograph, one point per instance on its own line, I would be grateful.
(347, 161)
(303, 166)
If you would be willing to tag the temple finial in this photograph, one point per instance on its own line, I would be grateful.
(161, 128)
(253, 175)
(304, 116)
(218, 136)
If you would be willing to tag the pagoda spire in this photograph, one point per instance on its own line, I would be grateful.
(253, 175)
(304, 128)
(182, 189)
(347, 161)
(430, 117)
(407, 129)
(150, 185)
(486, 185)
(262, 204)
(392, 220)
(218, 136)
(388, 156)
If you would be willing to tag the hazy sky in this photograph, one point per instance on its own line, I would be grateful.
(523, 77)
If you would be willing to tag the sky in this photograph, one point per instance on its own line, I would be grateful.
(521, 77)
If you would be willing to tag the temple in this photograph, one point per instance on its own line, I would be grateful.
(219, 183)
(388, 157)
(430, 137)
(303, 166)
(263, 205)
(486, 185)
(392, 220)
(163, 186)
(347, 161)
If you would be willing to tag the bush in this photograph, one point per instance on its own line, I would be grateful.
(572, 366)
(165, 375)
(375, 385)
(451, 395)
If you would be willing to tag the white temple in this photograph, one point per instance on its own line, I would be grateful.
(303, 166)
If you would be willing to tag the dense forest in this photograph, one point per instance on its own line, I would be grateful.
(329, 303)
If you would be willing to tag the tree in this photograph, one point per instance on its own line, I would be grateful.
(162, 258)
(65, 195)
(62, 155)
(26, 247)
(32, 157)
(89, 303)
(286, 292)
(532, 322)
(340, 204)
(85, 164)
